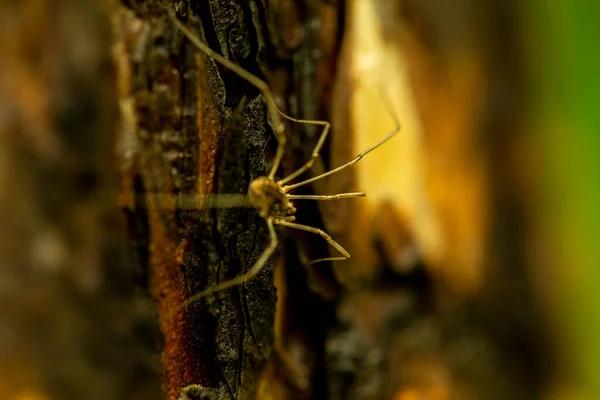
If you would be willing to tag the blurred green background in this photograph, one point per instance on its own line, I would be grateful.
(566, 63)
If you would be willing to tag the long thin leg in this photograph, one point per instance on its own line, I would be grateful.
(253, 79)
(315, 152)
(262, 86)
(350, 195)
(241, 278)
(318, 260)
(318, 231)
(390, 108)
(191, 202)
(226, 200)
(348, 164)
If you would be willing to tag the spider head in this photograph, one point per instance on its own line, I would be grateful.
(269, 198)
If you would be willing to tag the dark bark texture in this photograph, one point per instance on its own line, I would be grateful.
(196, 128)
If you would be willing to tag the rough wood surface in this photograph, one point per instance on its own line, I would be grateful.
(196, 128)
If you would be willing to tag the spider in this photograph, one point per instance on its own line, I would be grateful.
(271, 197)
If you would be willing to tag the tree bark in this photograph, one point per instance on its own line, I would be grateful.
(193, 128)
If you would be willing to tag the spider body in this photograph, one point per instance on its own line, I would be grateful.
(270, 199)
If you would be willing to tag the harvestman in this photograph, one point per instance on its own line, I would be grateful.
(271, 197)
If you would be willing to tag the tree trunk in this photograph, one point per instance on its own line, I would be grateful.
(192, 127)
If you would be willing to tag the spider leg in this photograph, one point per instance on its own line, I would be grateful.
(350, 195)
(392, 113)
(315, 152)
(274, 112)
(241, 278)
(320, 232)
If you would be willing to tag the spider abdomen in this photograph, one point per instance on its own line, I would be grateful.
(269, 198)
